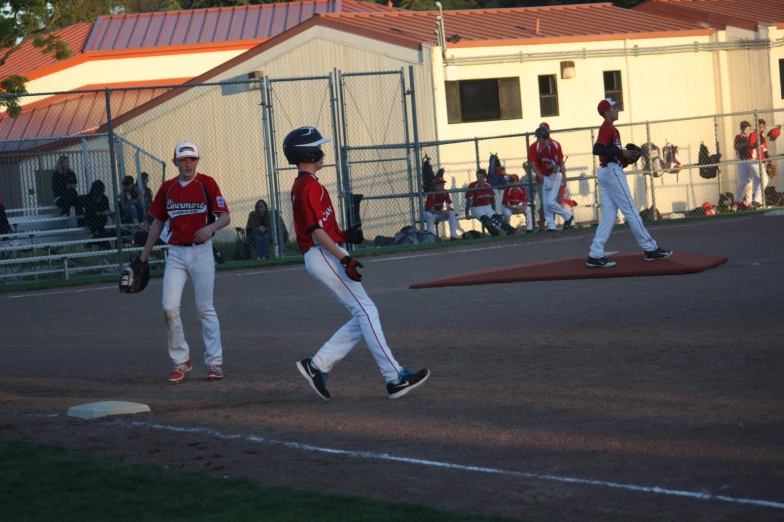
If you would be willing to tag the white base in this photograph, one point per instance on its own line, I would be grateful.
(775, 213)
(95, 410)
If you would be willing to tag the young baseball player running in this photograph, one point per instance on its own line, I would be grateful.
(318, 238)
(546, 160)
(516, 202)
(615, 191)
(189, 202)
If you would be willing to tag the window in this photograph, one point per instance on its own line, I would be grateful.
(612, 86)
(548, 95)
(781, 77)
(483, 100)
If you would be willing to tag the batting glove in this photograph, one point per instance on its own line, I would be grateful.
(351, 266)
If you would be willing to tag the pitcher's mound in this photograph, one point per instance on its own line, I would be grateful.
(629, 264)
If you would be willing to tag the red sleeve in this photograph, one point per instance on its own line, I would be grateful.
(448, 198)
(429, 201)
(505, 201)
(216, 198)
(470, 193)
(606, 134)
(559, 153)
(525, 195)
(158, 208)
(532, 152)
(311, 207)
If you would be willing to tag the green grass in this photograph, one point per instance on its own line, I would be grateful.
(367, 250)
(50, 483)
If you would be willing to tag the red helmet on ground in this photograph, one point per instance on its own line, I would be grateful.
(707, 204)
(774, 133)
(514, 178)
(438, 180)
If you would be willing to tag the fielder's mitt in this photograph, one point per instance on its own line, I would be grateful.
(635, 152)
(354, 234)
(135, 277)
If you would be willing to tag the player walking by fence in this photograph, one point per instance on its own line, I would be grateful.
(189, 202)
(318, 237)
(615, 190)
(546, 160)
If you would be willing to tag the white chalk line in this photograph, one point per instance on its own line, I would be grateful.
(396, 258)
(509, 473)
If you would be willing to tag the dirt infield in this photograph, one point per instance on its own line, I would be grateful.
(664, 382)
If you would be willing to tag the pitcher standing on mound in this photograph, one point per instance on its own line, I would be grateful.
(318, 238)
(615, 192)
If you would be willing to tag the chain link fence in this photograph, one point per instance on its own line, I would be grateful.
(373, 169)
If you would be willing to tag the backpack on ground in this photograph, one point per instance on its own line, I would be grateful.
(242, 247)
(383, 241)
(705, 158)
(406, 236)
(650, 214)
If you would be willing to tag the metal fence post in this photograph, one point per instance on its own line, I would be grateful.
(716, 136)
(113, 167)
(86, 163)
(530, 177)
(417, 152)
(271, 184)
(762, 175)
(476, 151)
(650, 169)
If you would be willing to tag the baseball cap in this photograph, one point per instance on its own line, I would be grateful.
(607, 104)
(514, 177)
(438, 180)
(186, 149)
(545, 125)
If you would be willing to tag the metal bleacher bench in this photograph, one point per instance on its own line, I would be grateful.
(34, 248)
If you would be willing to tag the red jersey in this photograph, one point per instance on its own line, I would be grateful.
(189, 207)
(312, 209)
(746, 146)
(609, 137)
(435, 202)
(548, 157)
(515, 196)
(481, 195)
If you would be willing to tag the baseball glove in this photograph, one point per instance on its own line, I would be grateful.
(635, 152)
(354, 234)
(135, 277)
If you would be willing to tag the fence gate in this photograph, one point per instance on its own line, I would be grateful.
(290, 103)
(376, 154)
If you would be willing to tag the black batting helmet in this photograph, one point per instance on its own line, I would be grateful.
(302, 145)
(542, 132)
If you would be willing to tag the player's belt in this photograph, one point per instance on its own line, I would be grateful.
(188, 244)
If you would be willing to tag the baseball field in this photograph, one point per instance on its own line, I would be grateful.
(630, 399)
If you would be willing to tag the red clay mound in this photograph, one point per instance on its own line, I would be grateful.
(629, 265)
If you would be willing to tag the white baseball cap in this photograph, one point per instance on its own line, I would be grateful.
(186, 149)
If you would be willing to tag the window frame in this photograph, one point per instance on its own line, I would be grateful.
(507, 93)
(546, 98)
(615, 94)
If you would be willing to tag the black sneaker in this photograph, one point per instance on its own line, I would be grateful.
(569, 223)
(655, 255)
(601, 262)
(316, 378)
(408, 381)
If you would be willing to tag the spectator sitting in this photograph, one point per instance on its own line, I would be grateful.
(147, 192)
(438, 207)
(64, 188)
(259, 229)
(96, 211)
(128, 201)
(479, 200)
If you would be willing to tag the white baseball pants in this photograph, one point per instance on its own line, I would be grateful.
(432, 218)
(617, 196)
(749, 173)
(327, 270)
(484, 210)
(550, 191)
(529, 223)
(196, 261)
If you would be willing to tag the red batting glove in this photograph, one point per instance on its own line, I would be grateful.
(351, 266)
